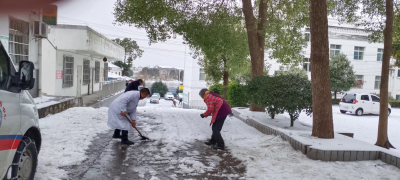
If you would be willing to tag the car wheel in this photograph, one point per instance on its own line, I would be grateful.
(25, 160)
(390, 111)
(343, 112)
(359, 112)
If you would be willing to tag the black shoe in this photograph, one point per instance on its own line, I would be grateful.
(216, 147)
(127, 142)
(117, 136)
(209, 143)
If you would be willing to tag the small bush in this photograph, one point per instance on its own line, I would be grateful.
(237, 95)
(335, 101)
(159, 87)
(217, 88)
(395, 104)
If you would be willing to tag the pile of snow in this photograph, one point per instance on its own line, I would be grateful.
(65, 138)
(46, 101)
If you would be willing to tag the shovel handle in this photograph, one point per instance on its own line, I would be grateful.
(128, 119)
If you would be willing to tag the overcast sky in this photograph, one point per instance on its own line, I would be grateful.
(98, 14)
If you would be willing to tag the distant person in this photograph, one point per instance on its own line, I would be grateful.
(134, 86)
(219, 109)
(125, 104)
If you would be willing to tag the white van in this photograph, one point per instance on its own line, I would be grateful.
(20, 137)
(360, 104)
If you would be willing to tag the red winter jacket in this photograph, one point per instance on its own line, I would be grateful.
(213, 105)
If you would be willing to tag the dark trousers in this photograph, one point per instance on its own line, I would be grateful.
(216, 128)
(124, 136)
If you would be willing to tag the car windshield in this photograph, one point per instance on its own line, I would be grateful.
(155, 96)
(168, 93)
(349, 98)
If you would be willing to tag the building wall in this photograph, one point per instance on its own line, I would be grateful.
(192, 84)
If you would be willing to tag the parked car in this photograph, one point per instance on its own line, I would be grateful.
(155, 99)
(158, 94)
(169, 96)
(20, 137)
(360, 104)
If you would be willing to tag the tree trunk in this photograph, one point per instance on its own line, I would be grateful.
(320, 80)
(226, 81)
(383, 140)
(256, 39)
(291, 120)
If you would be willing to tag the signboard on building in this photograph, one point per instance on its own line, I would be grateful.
(50, 15)
(59, 74)
(185, 98)
(4, 40)
(181, 87)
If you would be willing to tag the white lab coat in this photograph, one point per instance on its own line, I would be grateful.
(126, 102)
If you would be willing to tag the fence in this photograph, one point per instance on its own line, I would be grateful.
(109, 88)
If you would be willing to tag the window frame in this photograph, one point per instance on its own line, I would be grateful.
(364, 96)
(97, 71)
(397, 96)
(335, 49)
(86, 72)
(379, 53)
(307, 65)
(377, 86)
(307, 35)
(357, 81)
(66, 83)
(398, 73)
(358, 51)
(18, 44)
(202, 78)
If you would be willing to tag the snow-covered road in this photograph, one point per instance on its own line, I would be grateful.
(67, 135)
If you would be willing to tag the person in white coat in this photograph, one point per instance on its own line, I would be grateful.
(125, 104)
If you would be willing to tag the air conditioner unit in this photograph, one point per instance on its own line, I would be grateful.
(40, 29)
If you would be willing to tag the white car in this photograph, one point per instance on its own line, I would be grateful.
(20, 137)
(155, 99)
(360, 104)
(169, 96)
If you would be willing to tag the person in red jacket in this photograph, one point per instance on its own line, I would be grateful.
(219, 109)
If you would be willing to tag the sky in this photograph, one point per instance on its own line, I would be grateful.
(98, 14)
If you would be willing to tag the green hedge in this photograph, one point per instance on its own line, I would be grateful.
(395, 104)
(335, 101)
(237, 95)
(217, 88)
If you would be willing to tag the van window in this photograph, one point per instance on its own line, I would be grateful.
(375, 99)
(349, 98)
(365, 97)
(4, 71)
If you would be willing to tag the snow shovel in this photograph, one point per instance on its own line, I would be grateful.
(144, 138)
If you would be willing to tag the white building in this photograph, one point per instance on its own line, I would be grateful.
(347, 39)
(17, 33)
(73, 60)
(114, 69)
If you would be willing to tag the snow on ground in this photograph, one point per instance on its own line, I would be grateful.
(365, 128)
(66, 136)
(46, 101)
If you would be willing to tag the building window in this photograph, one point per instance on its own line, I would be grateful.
(359, 82)
(18, 40)
(335, 49)
(202, 75)
(105, 72)
(97, 72)
(380, 54)
(377, 82)
(86, 72)
(358, 53)
(398, 73)
(397, 97)
(306, 64)
(68, 72)
(307, 34)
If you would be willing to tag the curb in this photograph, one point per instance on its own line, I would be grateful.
(322, 155)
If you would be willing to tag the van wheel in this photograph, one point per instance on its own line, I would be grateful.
(343, 112)
(359, 112)
(25, 160)
(389, 112)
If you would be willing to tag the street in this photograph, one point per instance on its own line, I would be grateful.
(178, 152)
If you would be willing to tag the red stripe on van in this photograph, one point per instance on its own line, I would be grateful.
(7, 144)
